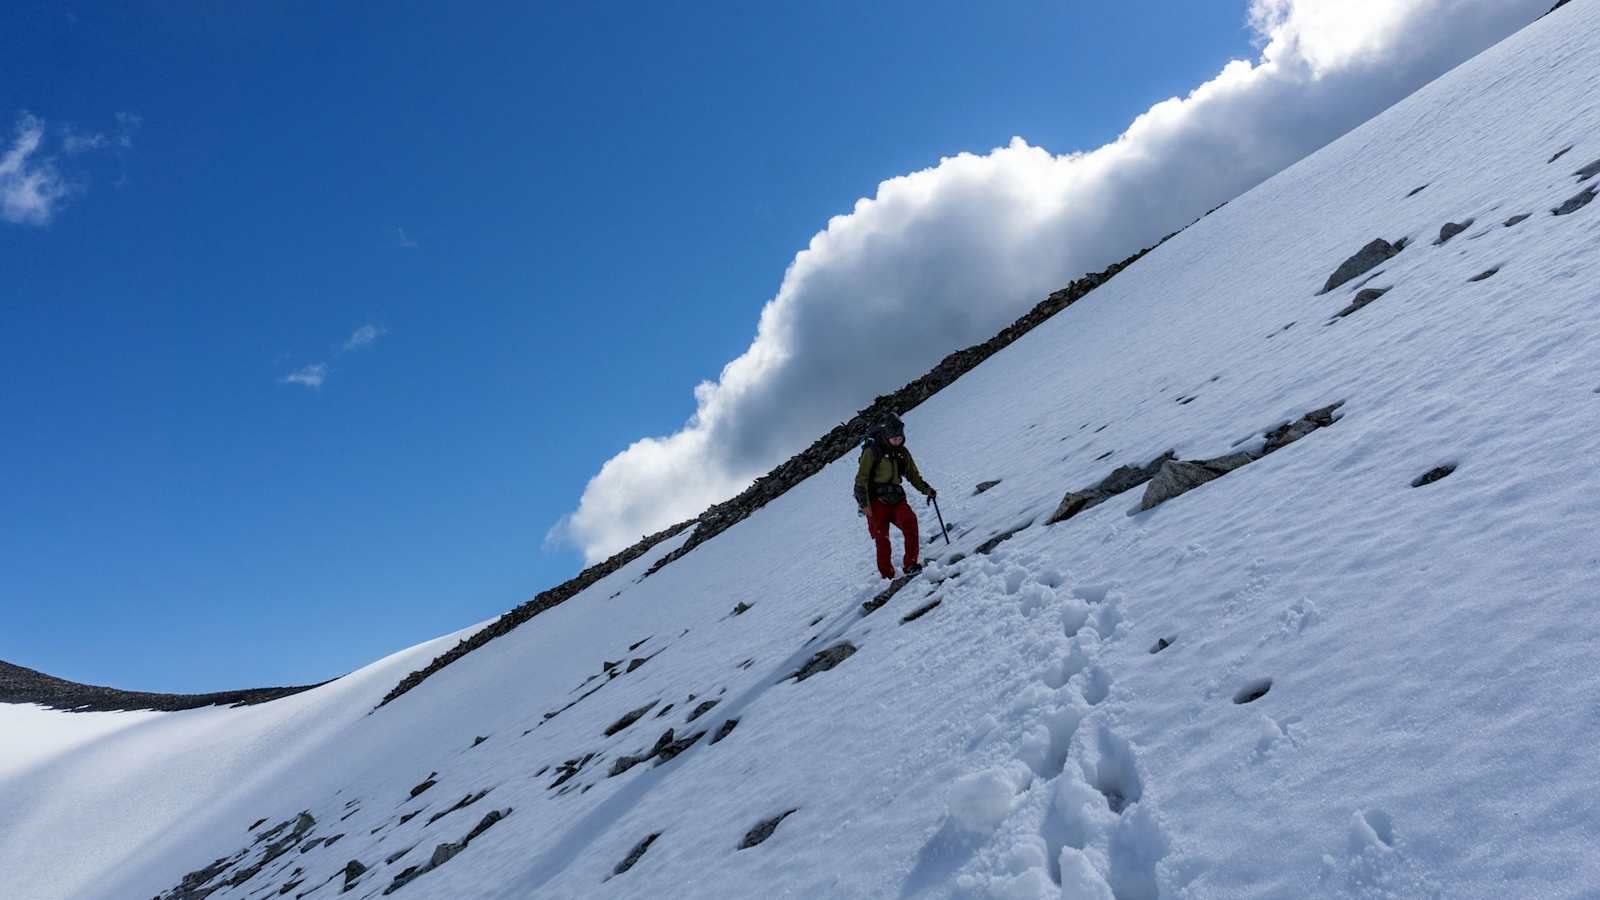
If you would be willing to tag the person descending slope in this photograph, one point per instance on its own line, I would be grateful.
(884, 460)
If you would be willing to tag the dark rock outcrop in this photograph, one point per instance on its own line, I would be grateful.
(702, 709)
(426, 783)
(353, 870)
(1122, 478)
(1517, 220)
(630, 718)
(764, 829)
(1289, 432)
(1362, 299)
(884, 596)
(19, 684)
(1584, 198)
(1450, 230)
(1365, 260)
(463, 803)
(1434, 474)
(1485, 275)
(824, 660)
(1589, 171)
(725, 730)
(1178, 476)
(984, 486)
(634, 854)
(445, 852)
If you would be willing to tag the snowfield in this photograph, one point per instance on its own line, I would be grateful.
(1304, 678)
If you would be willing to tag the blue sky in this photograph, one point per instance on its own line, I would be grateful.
(555, 219)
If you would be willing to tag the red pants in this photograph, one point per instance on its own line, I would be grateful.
(905, 519)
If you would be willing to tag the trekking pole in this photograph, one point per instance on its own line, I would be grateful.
(935, 502)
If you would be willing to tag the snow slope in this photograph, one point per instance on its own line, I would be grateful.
(1428, 727)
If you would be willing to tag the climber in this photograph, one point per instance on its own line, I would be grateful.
(884, 460)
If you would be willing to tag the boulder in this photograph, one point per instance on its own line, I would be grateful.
(1364, 261)
(1181, 476)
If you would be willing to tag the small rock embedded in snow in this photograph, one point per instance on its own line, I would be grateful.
(1369, 257)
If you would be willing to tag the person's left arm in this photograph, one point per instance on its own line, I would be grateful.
(915, 477)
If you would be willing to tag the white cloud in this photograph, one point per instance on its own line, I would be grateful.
(365, 336)
(404, 240)
(310, 376)
(31, 187)
(945, 257)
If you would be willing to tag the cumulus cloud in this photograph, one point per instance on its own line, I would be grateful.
(945, 257)
(310, 377)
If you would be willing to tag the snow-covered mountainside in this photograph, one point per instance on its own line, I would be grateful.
(1348, 656)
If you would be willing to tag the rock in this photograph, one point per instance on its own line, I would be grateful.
(1361, 299)
(725, 730)
(636, 663)
(352, 871)
(919, 612)
(443, 854)
(1178, 477)
(984, 486)
(624, 763)
(1433, 475)
(741, 608)
(1576, 203)
(1122, 478)
(470, 799)
(1416, 191)
(1485, 276)
(479, 739)
(1160, 645)
(1289, 432)
(634, 854)
(702, 709)
(671, 750)
(824, 660)
(1450, 230)
(1517, 220)
(426, 783)
(1589, 171)
(764, 830)
(1001, 538)
(884, 596)
(1364, 261)
(630, 718)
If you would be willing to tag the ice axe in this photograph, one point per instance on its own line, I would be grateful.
(944, 530)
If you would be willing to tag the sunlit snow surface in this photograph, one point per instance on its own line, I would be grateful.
(1431, 726)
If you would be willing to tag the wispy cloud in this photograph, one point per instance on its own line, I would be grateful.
(310, 377)
(313, 375)
(404, 240)
(74, 141)
(365, 336)
(33, 187)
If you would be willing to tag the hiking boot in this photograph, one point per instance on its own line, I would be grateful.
(914, 568)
